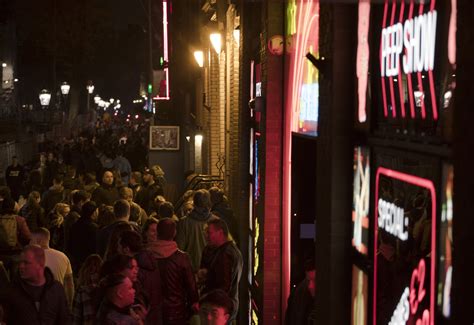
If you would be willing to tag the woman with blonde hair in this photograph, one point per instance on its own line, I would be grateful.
(56, 225)
(86, 300)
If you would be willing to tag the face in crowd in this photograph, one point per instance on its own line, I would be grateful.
(126, 292)
(213, 315)
(29, 267)
(108, 178)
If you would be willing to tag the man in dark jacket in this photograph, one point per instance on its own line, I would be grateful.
(179, 288)
(221, 263)
(148, 191)
(14, 176)
(221, 208)
(190, 236)
(35, 297)
(78, 199)
(106, 193)
(83, 236)
(55, 194)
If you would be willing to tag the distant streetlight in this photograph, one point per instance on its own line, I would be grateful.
(111, 100)
(199, 57)
(90, 88)
(65, 87)
(96, 99)
(45, 97)
(4, 65)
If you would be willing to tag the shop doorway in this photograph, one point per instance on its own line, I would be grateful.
(303, 203)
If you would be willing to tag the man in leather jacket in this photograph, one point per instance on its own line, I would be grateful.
(180, 295)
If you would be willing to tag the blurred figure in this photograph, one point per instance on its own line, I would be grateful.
(56, 224)
(14, 176)
(149, 233)
(55, 194)
(301, 300)
(78, 199)
(221, 262)
(135, 182)
(215, 308)
(56, 261)
(33, 212)
(35, 297)
(222, 209)
(86, 298)
(148, 191)
(106, 193)
(122, 164)
(177, 277)
(84, 228)
(191, 235)
(138, 214)
(116, 307)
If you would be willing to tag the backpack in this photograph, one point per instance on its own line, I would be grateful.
(8, 231)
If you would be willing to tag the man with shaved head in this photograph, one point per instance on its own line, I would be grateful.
(34, 297)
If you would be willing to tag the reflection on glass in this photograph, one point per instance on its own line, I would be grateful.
(359, 297)
(360, 201)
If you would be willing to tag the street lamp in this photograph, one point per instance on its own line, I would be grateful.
(45, 97)
(216, 41)
(96, 99)
(199, 57)
(65, 87)
(90, 90)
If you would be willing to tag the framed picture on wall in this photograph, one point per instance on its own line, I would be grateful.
(164, 137)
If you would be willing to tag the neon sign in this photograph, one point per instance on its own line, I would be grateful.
(162, 77)
(408, 46)
(408, 239)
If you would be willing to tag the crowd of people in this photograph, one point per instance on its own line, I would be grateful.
(88, 237)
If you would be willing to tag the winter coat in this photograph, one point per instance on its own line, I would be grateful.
(150, 278)
(82, 241)
(190, 235)
(177, 281)
(224, 269)
(69, 220)
(54, 195)
(105, 194)
(146, 195)
(21, 308)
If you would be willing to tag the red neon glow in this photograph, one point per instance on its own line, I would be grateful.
(452, 33)
(165, 53)
(390, 79)
(420, 182)
(307, 35)
(363, 54)
(400, 83)
(430, 76)
(384, 94)
(410, 86)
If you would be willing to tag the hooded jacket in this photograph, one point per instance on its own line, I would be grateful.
(190, 235)
(177, 281)
(21, 308)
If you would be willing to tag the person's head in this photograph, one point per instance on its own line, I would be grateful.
(202, 199)
(50, 156)
(42, 157)
(217, 195)
(135, 178)
(89, 210)
(215, 308)
(148, 176)
(149, 230)
(8, 206)
(166, 229)
(79, 198)
(118, 290)
(34, 198)
(186, 209)
(108, 178)
(188, 196)
(89, 178)
(122, 264)
(310, 272)
(71, 171)
(158, 171)
(165, 210)
(15, 161)
(40, 237)
(58, 180)
(106, 215)
(129, 243)
(62, 209)
(126, 193)
(89, 271)
(157, 201)
(32, 263)
(122, 209)
(217, 232)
